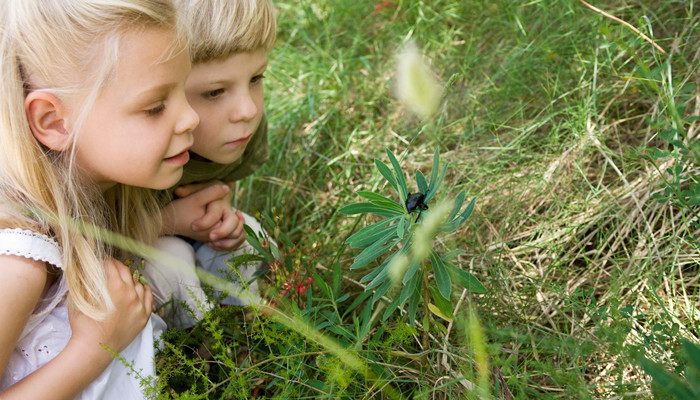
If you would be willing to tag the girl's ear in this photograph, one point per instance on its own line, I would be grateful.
(46, 116)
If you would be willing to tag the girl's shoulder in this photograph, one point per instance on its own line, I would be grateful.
(29, 244)
(20, 235)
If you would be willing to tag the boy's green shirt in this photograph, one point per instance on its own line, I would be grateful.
(255, 154)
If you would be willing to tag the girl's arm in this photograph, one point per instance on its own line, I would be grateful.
(22, 282)
(84, 358)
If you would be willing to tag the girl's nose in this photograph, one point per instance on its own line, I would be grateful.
(189, 119)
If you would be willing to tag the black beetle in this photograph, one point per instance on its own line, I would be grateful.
(416, 201)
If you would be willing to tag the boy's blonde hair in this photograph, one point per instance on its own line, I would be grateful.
(69, 48)
(220, 28)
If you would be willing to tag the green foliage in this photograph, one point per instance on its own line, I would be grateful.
(545, 106)
(672, 384)
(397, 229)
(681, 185)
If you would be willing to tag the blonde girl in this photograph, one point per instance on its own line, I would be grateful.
(92, 106)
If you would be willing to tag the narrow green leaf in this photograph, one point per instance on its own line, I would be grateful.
(435, 310)
(400, 228)
(454, 224)
(370, 234)
(378, 243)
(365, 322)
(443, 304)
(391, 308)
(252, 239)
(342, 298)
(340, 330)
(373, 274)
(316, 384)
(436, 186)
(467, 211)
(413, 307)
(358, 300)
(452, 254)
(390, 204)
(337, 278)
(464, 279)
(363, 208)
(409, 287)
(382, 276)
(380, 200)
(386, 173)
(322, 285)
(459, 200)
(442, 279)
(400, 180)
(411, 271)
(370, 254)
(381, 290)
(371, 196)
(421, 182)
(434, 171)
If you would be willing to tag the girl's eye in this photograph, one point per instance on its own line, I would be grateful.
(212, 94)
(257, 78)
(156, 110)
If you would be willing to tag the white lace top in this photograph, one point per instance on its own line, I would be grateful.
(48, 330)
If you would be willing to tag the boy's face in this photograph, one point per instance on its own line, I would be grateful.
(228, 96)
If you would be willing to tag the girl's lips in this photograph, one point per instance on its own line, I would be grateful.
(180, 159)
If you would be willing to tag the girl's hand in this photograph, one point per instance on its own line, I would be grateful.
(133, 305)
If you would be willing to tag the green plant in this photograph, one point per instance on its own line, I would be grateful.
(290, 273)
(673, 384)
(399, 229)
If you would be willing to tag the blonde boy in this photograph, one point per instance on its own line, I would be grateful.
(228, 49)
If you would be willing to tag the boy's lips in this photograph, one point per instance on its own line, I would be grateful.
(240, 141)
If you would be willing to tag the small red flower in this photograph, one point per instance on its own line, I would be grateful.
(383, 4)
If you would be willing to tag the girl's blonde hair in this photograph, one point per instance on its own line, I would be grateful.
(220, 28)
(70, 49)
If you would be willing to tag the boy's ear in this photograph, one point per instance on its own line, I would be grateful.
(46, 116)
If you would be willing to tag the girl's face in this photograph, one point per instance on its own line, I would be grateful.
(139, 130)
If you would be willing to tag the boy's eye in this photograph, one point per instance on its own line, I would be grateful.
(212, 94)
(156, 110)
(257, 78)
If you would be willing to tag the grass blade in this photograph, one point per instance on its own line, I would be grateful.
(442, 278)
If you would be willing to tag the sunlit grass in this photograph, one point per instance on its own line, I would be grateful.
(545, 118)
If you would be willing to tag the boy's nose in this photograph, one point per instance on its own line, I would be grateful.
(244, 109)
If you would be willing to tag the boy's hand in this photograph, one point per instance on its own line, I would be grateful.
(215, 222)
(220, 241)
(198, 210)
